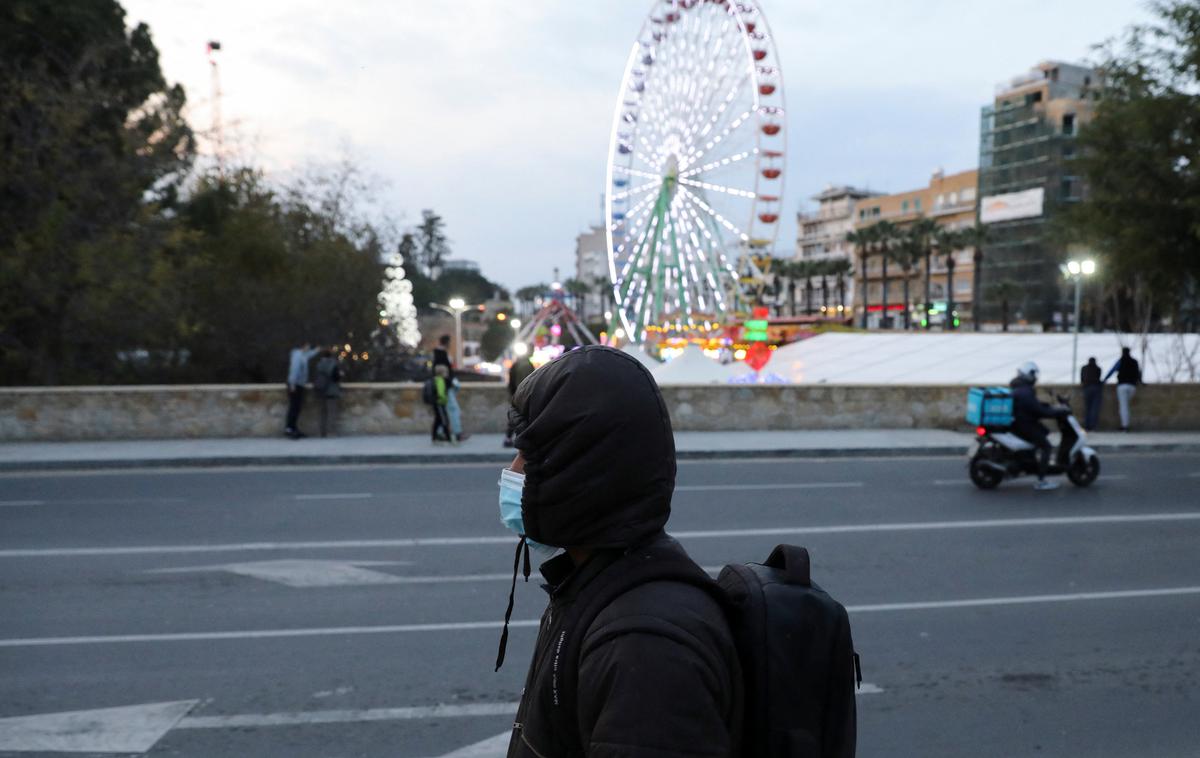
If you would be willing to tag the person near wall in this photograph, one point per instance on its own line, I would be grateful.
(1129, 376)
(520, 369)
(327, 384)
(1093, 393)
(454, 410)
(296, 380)
(440, 432)
(441, 355)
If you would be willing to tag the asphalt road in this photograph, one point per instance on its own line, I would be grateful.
(354, 611)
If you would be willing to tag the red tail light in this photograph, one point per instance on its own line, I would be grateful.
(980, 431)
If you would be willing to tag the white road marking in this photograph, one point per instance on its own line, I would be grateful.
(1024, 600)
(19, 503)
(760, 486)
(336, 496)
(297, 718)
(459, 626)
(257, 634)
(1112, 477)
(911, 526)
(302, 573)
(128, 729)
(948, 482)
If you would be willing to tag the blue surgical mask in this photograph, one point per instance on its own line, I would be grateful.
(512, 485)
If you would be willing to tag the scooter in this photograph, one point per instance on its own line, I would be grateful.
(999, 454)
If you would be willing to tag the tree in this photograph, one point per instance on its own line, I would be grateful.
(1140, 157)
(974, 237)
(947, 241)
(93, 149)
(923, 232)
(887, 237)
(578, 291)
(496, 338)
(841, 268)
(529, 295)
(1004, 291)
(433, 247)
(907, 253)
(864, 241)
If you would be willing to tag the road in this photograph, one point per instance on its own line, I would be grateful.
(354, 611)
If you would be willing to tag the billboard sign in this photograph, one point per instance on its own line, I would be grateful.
(1012, 205)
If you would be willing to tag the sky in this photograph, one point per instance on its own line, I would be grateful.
(498, 114)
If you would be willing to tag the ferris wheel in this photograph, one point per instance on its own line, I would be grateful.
(695, 164)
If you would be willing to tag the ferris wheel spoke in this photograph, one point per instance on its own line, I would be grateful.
(718, 164)
(629, 193)
(693, 197)
(719, 188)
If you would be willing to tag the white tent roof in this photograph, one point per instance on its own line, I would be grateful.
(636, 351)
(973, 358)
(692, 366)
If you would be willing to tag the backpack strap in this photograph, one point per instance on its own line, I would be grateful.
(633, 569)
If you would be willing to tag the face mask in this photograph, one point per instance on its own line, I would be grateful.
(512, 485)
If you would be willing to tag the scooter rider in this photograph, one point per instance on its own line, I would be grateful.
(1027, 414)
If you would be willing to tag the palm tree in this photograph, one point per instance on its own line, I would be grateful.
(907, 254)
(603, 288)
(823, 270)
(887, 237)
(1003, 291)
(841, 268)
(974, 237)
(947, 242)
(529, 294)
(923, 232)
(863, 241)
(578, 290)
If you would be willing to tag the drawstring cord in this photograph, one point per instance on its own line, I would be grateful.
(522, 548)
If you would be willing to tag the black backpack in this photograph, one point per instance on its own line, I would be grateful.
(799, 667)
(429, 392)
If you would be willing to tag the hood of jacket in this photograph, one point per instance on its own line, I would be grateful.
(598, 448)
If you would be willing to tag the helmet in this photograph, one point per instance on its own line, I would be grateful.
(1028, 370)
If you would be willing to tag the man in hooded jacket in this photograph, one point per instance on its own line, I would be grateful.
(655, 673)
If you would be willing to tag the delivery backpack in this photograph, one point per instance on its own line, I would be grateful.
(429, 392)
(799, 667)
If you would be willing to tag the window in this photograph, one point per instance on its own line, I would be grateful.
(904, 207)
(1069, 150)
(1067, 188)
(1068, 124)
(968, 195)
(917, 204)
(939, 201)
(954, 198)
(962, 285)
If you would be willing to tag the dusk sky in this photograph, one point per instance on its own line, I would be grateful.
(497, 114)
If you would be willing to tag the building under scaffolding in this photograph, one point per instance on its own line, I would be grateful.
(1026, 177)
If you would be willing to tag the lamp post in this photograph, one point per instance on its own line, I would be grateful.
(456, 307)
(1076, 270)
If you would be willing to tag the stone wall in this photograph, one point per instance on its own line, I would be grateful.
(181, 412)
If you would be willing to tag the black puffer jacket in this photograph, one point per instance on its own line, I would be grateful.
(658, 675)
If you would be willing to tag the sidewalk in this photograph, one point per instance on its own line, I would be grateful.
(487, 448)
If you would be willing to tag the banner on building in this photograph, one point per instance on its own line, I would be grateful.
(1012, 205)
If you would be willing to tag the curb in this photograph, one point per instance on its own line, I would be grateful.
(503, 456)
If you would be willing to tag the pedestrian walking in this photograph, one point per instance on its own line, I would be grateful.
(658, 674)
(1093, 393)
(327, 384)
(520, 369)
(1129, 376)
(440, 432)
(296, 381)
(454, 411)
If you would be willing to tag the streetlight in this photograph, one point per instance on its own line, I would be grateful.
(1076, 270)
(456, 307)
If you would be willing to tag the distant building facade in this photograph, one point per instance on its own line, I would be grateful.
(1026, 176)
(591, 268)
(822, 237)
(950, 200)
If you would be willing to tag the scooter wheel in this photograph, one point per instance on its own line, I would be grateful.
(983, 476)
(1083, 471)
